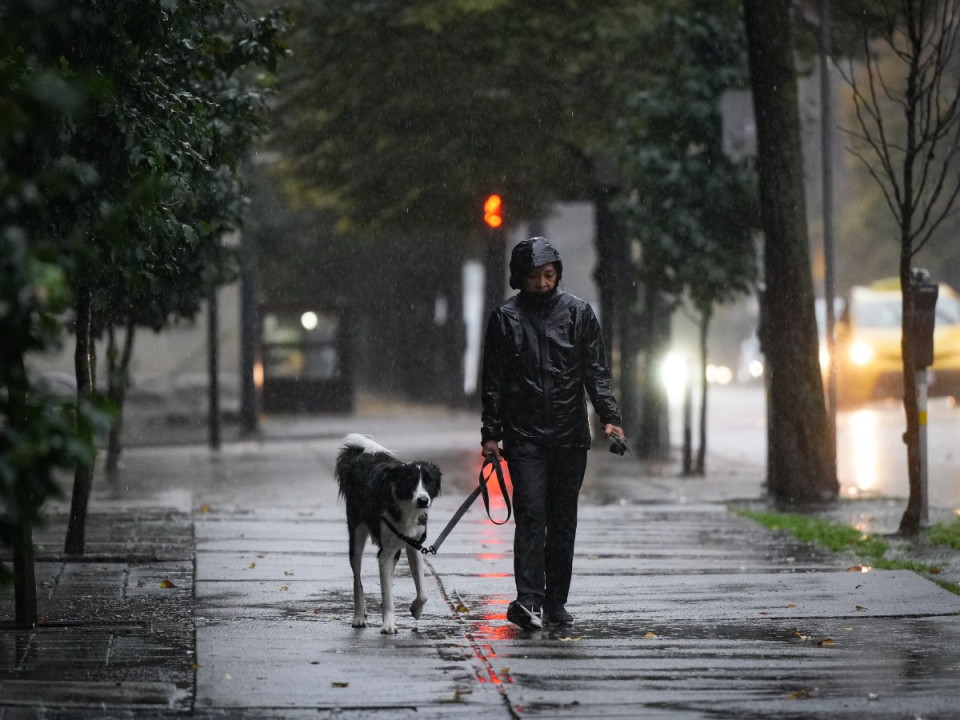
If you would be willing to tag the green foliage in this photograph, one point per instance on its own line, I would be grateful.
(833, 536)
(692, 208)
(947, 534)
(406, 115)
(38, 433)
(838, 537)
(122, 130)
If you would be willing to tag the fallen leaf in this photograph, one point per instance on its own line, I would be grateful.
(339, 684)
(284, 588)
(166, 583)
(251, 566)
(801, 635)
(860, 608)
(800, 694)
(825, 641)
(227, 676)
(204, 508)
(855, 568)
(461, 608)
(650, 635)
(568, 640)
(288, 572)
(935, 571)
(791, 605)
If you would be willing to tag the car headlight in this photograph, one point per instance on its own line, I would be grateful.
(861, 353)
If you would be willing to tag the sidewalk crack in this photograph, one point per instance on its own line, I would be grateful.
(482, 652)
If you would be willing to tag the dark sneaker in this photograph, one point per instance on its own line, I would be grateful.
(527, 617)
(557, 614)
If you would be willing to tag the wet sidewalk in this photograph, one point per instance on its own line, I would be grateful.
(219, 587)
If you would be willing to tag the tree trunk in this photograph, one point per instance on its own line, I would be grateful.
(85, 364)
(912, 515)
(24, 574)
(118, 381)
(801, 467)
(24, 578)
(700, 465)
(653, 440)
(617, 298)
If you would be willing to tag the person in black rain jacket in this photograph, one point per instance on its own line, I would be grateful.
(543, 356)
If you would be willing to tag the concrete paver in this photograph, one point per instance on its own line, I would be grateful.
(219, 587)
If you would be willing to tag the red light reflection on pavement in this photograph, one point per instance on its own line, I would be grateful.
(495, 627)
(486, 655)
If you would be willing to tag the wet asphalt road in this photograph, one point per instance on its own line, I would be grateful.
(218, 586)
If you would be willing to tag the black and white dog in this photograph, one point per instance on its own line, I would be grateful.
(380, 491)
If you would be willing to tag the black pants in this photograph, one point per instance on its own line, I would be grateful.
(546, 485)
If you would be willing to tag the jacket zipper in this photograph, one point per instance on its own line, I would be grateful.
(544, 375)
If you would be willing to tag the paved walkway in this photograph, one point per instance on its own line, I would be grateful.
(217, 586)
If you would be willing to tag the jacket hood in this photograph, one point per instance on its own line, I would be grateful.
(532, 253)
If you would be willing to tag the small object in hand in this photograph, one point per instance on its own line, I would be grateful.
(619, 445)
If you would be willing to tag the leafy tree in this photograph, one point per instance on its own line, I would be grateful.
(400, 117)
(691, 208)
(911, 157)
(171, 113)
(38, 432)
(408, 114)
(216, 109)
(801, 466)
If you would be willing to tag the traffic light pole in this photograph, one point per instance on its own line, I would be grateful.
(494, 271)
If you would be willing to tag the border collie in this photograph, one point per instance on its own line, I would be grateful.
(376, 486)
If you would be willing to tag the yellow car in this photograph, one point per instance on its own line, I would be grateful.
(868, 352)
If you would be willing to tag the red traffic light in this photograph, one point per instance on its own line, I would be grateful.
(493, 211)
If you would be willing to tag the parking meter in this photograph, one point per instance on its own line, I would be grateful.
(925, 294)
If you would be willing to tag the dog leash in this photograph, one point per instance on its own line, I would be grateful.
(481, 489)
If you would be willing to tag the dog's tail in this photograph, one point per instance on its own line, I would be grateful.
(353, 446)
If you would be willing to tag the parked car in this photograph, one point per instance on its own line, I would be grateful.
(868, 350)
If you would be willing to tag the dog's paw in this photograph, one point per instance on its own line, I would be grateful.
(389, 629)
(416, 607)
(360, 622)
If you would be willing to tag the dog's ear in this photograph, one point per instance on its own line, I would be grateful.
(431, 478)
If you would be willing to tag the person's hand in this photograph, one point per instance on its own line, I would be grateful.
(611, 429)
(615, 433)
(491, 447)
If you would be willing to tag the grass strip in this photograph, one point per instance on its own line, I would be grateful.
(947, 534)
(837, 537)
